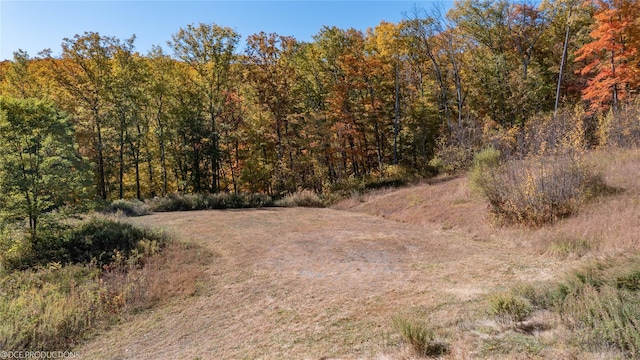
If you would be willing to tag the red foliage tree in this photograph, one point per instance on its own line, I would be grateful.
(611, 59)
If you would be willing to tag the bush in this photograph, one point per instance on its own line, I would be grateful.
(133, 207)
(205, 201)
(484, 162)
(51, 304)
(537, 191)
(304, 198)
(99, 240)
(451, 159)
(509, 308)
(420, 337)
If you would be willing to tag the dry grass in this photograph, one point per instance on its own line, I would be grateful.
(311, 283)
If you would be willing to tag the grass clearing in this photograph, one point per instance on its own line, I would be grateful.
(311, 283)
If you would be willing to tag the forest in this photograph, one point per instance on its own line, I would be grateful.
(535, 103)
(211, 113)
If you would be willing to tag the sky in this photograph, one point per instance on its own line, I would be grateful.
(36, 25)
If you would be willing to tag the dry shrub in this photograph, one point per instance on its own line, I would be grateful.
(538, 190)
(620, 129)
(303, 198)
(548, 135)
(206, 201)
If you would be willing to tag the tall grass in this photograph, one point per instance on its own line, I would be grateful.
(49, 308)
(599, 304)
(419, 337)
(75, 278)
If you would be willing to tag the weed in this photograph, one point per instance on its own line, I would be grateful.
(512, 343)
(599, 304)
(420, 337)
(509, 308)
(570, 246)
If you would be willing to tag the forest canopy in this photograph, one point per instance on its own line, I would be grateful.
(212, 112)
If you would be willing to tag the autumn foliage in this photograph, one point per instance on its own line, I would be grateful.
(611, 59)
(276, 115)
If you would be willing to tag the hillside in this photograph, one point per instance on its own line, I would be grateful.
(328, 283)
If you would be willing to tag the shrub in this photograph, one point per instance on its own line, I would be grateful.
(420, 337)
(133, 207)
(538, 191)
(98, 240)
(304, 198)
(205, 201)
(451, 159)
(486, 161)
(509, 308)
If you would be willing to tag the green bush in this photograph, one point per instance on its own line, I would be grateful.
(304, 198)
(486, 161)
(99, 240)
(537, 191)
(132, 207)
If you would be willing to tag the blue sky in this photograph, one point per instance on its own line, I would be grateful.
(37, 25)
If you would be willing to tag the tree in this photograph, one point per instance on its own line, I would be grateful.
(611, 60)
(40, 167)
(84, 74)
(209, 50)
(159, 91)
(270, 71)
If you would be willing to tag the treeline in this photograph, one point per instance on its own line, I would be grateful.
(274, 114)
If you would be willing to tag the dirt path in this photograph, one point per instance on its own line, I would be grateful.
(312, 283)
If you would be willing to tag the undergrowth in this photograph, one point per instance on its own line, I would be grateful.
(79, 277)
(598, 304)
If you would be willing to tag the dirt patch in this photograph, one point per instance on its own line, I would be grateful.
(305, 283)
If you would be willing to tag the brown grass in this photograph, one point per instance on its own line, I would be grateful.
(313, 283)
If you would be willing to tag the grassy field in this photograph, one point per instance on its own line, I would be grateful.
(309, 283)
